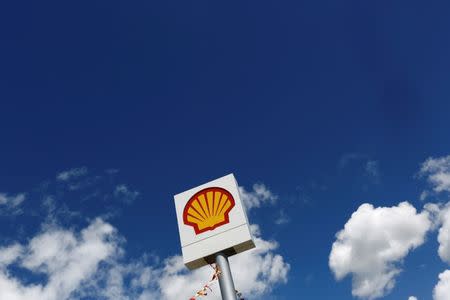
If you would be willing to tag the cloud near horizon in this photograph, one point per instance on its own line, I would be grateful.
(436, 170)
(442, 289)
(373, 244)
(89, 264)
(389, 234)
(62, 262)
(63, 257)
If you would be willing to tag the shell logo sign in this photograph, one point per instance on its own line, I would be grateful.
(211, 219)
(208, 209)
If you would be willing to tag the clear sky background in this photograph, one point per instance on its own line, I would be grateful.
(108, 109)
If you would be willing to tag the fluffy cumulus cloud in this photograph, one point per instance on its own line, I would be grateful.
(442, 289)
(372, 245)
(64, 258)
(258, 196)
(60, 263)
(412, 298)
(255, 272)
(437, 172)
(444, 234)
(91, 266)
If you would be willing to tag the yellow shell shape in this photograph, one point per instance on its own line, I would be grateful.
(208, 209)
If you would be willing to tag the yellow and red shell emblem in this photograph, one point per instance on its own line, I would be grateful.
(208, 209)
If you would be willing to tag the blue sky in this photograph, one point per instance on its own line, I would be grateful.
(327, 105)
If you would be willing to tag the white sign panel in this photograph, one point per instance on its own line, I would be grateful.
(212, 219)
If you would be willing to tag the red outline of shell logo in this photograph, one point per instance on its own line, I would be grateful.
(208, 209)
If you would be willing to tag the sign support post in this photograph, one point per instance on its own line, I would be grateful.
(225, 278)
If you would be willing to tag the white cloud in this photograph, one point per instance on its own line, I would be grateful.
(442, 289)
(10, 204)
(259, 196)
(72, 264)
(444, 234)
(10, 254)
(255, 273)
(442, 218)
(122, 281)
(125, 194)
(437, 171)
(65, 258)
(72, 174)
(373, 244)
(92, 264)
(412, 298)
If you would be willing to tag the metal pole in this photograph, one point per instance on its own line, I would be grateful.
(225, 278)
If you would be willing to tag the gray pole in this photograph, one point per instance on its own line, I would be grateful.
(225, 278)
